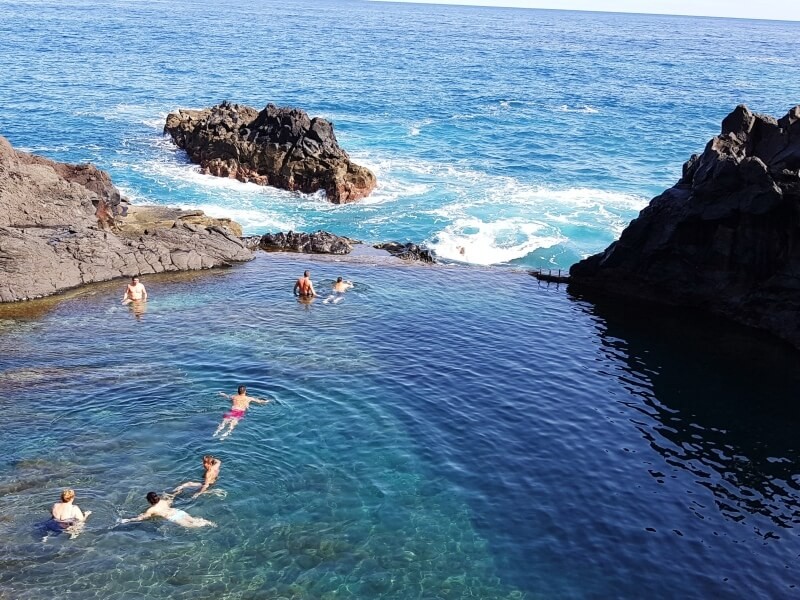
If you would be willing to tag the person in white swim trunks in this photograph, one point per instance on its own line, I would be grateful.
(162, 507)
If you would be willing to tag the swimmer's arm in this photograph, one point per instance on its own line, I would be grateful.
(145, 515)
(224, 395)
(82, 516)
(311, 287)
(259, 400)
(296, 285)
(144, 294)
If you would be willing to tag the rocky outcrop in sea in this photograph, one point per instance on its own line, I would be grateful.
(408, 251)
(320, 242)
(725, 238)
(281, 147)
(63, 225)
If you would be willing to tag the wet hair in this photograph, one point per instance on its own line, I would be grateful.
(153, 498)
(242, 389)
(306, 273)
(338, 280)
(133, 277)
(67, 495)
(208, 457)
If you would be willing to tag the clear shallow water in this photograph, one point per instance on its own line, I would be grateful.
(522, 136)
(442, 433)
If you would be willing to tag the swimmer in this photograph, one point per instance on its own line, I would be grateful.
(134, 292)
(162, 507)
(339, 288)
(303, 286)
(240, 403)
(211, 466)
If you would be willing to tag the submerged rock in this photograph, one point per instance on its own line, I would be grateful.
(408, 251)
(62, 226)
(281, 147)
(320, 242)
(725, 238)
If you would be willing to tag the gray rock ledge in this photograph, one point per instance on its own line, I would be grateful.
(63, 225)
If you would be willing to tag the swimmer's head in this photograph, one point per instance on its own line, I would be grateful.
(338, 280)
(242, 389)
(306, 273)
(135, 279)
(67, 495)
(207, 459)
(153, 498)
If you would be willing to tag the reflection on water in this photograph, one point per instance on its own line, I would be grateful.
(716, 408)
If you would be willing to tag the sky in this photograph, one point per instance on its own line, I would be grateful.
(764, 9)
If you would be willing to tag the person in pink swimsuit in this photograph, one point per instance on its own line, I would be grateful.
(239, 404)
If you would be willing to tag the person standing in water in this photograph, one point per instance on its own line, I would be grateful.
(67, 516)
(303, 286)
(240, 402)
(65, 512)
(162, 507)
(134, 292)
(211, 467)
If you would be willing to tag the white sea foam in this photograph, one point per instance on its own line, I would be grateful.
(417, 126)
(251, 219)
(590, 110)
(496, 242)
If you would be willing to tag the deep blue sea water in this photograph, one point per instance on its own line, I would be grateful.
(446, 432)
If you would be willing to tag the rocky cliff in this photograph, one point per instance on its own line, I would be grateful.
(65, 225)
(725, 238)
(281, 147)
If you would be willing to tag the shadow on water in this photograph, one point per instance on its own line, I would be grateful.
(719, 405)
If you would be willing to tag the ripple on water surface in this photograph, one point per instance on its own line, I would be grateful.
(442, 433)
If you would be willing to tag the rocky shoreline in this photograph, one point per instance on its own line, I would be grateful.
(62, 226)
(725, 239)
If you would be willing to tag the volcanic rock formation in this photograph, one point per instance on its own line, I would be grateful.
(320, 242)
(725, 238)
(281, 147)
(408, 251)
(65, 225)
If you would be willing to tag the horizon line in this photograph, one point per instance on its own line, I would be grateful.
(461, 4)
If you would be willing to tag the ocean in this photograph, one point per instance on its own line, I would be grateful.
(454, 431)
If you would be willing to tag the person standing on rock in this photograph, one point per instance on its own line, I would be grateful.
(303, 286)
(134, 292)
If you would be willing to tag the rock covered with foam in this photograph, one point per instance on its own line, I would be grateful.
(726, 237)
(281, 147)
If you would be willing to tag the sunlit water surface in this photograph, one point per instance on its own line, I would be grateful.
(443, 432)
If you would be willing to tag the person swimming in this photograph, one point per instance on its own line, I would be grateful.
(211, 466)
(338, 290)
(162, 507)
(240, 402)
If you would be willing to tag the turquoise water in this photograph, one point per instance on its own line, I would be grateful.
(445, 432)
(441, 433)
(523, 136)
